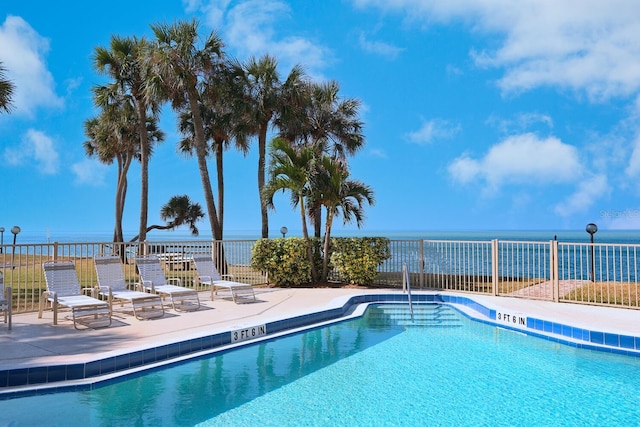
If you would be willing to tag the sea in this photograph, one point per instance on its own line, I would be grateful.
(577, 236)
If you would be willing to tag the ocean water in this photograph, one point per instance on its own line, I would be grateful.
(577, 236)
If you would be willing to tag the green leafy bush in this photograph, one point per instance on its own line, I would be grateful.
(357, 259)
(284, 260)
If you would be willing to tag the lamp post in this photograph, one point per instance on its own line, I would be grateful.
(15, 230)
(1, 238)
(284, 231)
(592, 229)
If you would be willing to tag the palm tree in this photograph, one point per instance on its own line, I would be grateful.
(323, 120)
(6, 91)
(225, 124)
(340, 196)
(113, 134)
(179, 67)
(178, 211)
(125, 61)
(289, 170)
(265, 92)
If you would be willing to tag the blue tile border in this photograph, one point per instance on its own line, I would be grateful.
(557, 332)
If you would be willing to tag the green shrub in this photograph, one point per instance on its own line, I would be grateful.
(284, 260)
(357, 259)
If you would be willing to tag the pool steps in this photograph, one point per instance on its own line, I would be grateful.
(424, 315)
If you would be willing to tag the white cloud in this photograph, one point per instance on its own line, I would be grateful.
(522, 122)
(633, 167)
(584, 45)
(36, 146)
(432, 130)
(23, 55)
(250, 28)
(383, 49)
(583, 198)
(90, 172)
(377, 152)
(520, 159)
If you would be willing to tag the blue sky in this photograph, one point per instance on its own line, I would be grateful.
(479, 115)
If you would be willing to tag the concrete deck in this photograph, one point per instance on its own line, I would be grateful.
(36, 342)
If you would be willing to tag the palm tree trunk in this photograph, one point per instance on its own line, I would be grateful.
(305, 234)
(119, 208)
(144, 166)
(317, 223)
(262, 149)
(327, 237)
(219, 168)
(201, 154)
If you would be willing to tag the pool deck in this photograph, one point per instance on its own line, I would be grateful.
(37, 342)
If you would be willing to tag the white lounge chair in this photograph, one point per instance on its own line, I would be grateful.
(152, 279)
(6, 301)
(208, 275)
(63, 289)
(113, 286)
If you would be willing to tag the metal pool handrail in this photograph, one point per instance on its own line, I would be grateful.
(407, 285)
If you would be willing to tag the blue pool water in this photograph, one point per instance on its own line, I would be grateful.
(380, 369)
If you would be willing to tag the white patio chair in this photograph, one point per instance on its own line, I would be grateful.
(152, 279)
(208, 275)
(113, 286)
(6, 301)
(63, 289)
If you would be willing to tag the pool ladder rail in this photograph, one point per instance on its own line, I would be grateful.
(406, 286)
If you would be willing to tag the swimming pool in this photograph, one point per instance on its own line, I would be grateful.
(373, 370)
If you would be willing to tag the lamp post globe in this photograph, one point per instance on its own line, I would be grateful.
(15, 230)
(284, 231)
(591, 229)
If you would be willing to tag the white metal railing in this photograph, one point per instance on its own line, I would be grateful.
(21, 264)
(556, 271)
(406, 287)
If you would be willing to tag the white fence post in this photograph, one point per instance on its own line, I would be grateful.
(494, 266)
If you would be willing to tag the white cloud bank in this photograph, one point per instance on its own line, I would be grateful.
(254, 28)
(520, 159)
(23, 52)
(583, 45)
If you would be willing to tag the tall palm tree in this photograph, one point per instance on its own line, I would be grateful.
(340, 196)
(225, 124)
(180, 65)
(108, 140)
(265, 93)
(113, 134)
(178, 211)
(7, 89)
(289, 169)
(125, 61)
(325, 121)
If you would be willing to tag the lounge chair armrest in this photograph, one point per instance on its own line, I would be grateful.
(176, 280)
(205, 279)
(229, 276)
(148, 284)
